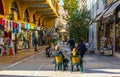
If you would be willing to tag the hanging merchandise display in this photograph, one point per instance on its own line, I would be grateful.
(32, 26)
(7, 26)
(4, 22)
(13, 36)
(23, 25)
(1, 41)
(19, 29)
(14, 27)
(38, 28)
(0, 20)
(11, 25)
(27, 26)
(35, 27)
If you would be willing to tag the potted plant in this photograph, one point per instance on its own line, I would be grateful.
(53, 41)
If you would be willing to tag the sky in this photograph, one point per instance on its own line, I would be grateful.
(61, 2)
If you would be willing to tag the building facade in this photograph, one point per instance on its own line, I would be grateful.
(23, 20)
(106, 17)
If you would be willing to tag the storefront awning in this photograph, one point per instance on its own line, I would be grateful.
(110, 11)
(101, 14)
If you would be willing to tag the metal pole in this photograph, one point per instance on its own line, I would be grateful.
(114, 25)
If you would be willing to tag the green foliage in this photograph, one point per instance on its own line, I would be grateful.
(78, 19)
(53, 40)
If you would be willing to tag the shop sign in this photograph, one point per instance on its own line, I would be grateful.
(119, 14)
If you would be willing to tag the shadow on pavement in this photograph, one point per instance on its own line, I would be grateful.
(21, 76)
(100, 71)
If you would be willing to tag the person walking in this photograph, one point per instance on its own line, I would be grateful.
(72, 43)
(35, 44)
(81, 51)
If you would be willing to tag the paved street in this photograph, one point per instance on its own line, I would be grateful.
(39, 66)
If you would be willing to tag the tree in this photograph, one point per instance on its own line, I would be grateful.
(78, 19)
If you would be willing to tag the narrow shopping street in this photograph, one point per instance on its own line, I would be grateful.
(38, 65)
(59, 38)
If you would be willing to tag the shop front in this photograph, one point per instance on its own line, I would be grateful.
(111, 32)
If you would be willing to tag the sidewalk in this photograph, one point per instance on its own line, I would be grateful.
(21, 54)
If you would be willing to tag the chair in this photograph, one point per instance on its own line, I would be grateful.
(59, 62)
(75, 60)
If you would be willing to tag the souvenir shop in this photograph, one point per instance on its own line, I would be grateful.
(111, 30)
(9, 30)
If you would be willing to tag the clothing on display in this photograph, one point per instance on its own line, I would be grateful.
(0, 20)
(11, 26)
(1, 41)
(3, 22)
(7, 34)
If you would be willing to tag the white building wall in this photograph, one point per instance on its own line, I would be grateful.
(93, 27)
(101, 5)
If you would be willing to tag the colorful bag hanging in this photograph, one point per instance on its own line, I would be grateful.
(4, 22)
(32, 26)
(13, 36)
(23, 25)
(7, 27)
(19, 27)
(10, 51)
(35, 27)
(14, 30)
(11, 25)
(0, 20)
(14, 25)
(27, 26)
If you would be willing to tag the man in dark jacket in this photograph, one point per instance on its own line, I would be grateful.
(35, 44)
(72, 43)
(81, 52)
(81, 48)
